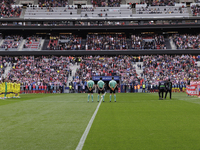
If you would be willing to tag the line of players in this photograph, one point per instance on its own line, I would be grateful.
(10, 89)
(101, 88)
(165, 86)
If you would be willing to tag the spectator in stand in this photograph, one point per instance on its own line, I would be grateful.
(186, 41)
(53, 3)
(160, 3)
(71, 42)
(105, 66)
(30, 40)
(11, 41)
(114, 3)
(7, 11)
(147, 42)
(106, 42)
(99, 3)
(40, 71)
(195, 9)
(176, 68)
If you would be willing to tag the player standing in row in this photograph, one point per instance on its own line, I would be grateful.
(112, 85)
(100, 86)
(90, 86)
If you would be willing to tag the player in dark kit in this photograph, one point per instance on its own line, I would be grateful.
(161, 88)
(168, 89)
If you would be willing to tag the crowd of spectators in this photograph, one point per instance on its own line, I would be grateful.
(53, 3)
(7, 11)
(160, 2)
(99, 3)
(195, 10)
(32, 41)
(54, 71)
(106, 66)
(70, 42)
(11, 41)
(29, 70)
(106, 42)
(53, 43)
(147, 42)
(3, 64)
(104, 3)
(178, 68)
(186, 41)
(114, 3)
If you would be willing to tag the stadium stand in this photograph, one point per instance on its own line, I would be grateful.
(32, 43)
(106, 42)
(71, 12)
(160, 3)
(8, 10)
(93, 41)
(195, 8)
(11, 42)
(186, 41)
(65, 42)
(52, 3)
(106, 66)
(49, 12)
(104, 3)
(40, 70)
(108, 12)
(178, 10)
(3, 64)
(178, 68)
(148, 42)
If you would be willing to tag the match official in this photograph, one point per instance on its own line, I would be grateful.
(100, 86)
(90, 86)
(161, 88)
(112, 84)
(168, 89)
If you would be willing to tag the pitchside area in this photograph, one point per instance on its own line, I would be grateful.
(135, 121)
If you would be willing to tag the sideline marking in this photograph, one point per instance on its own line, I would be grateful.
(84, 136)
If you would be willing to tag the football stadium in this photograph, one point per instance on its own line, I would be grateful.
(99, 74)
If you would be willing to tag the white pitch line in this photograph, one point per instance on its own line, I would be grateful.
(84, 136)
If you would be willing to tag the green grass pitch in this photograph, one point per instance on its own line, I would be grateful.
(136, 121)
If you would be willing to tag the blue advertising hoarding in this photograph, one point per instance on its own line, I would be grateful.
(105, 78)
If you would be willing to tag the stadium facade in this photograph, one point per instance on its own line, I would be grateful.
(81, 21)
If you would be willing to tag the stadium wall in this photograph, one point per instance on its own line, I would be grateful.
(116, 52)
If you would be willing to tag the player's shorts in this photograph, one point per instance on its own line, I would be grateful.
(90, 91)
(101, 91)
(112, 91)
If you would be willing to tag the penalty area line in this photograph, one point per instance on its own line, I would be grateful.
(84, 136)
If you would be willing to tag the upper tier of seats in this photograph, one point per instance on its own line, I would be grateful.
(124, 11)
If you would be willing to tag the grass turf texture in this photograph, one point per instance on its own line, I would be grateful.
(44, 121)
(141, 121)
(136, 121)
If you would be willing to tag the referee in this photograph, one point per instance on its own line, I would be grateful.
(112, 84)
(168, 89)
(90, 86)
(101, 86)
(162, 88)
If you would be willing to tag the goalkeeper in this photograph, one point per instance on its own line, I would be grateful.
(90, 86)
(112, 85)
